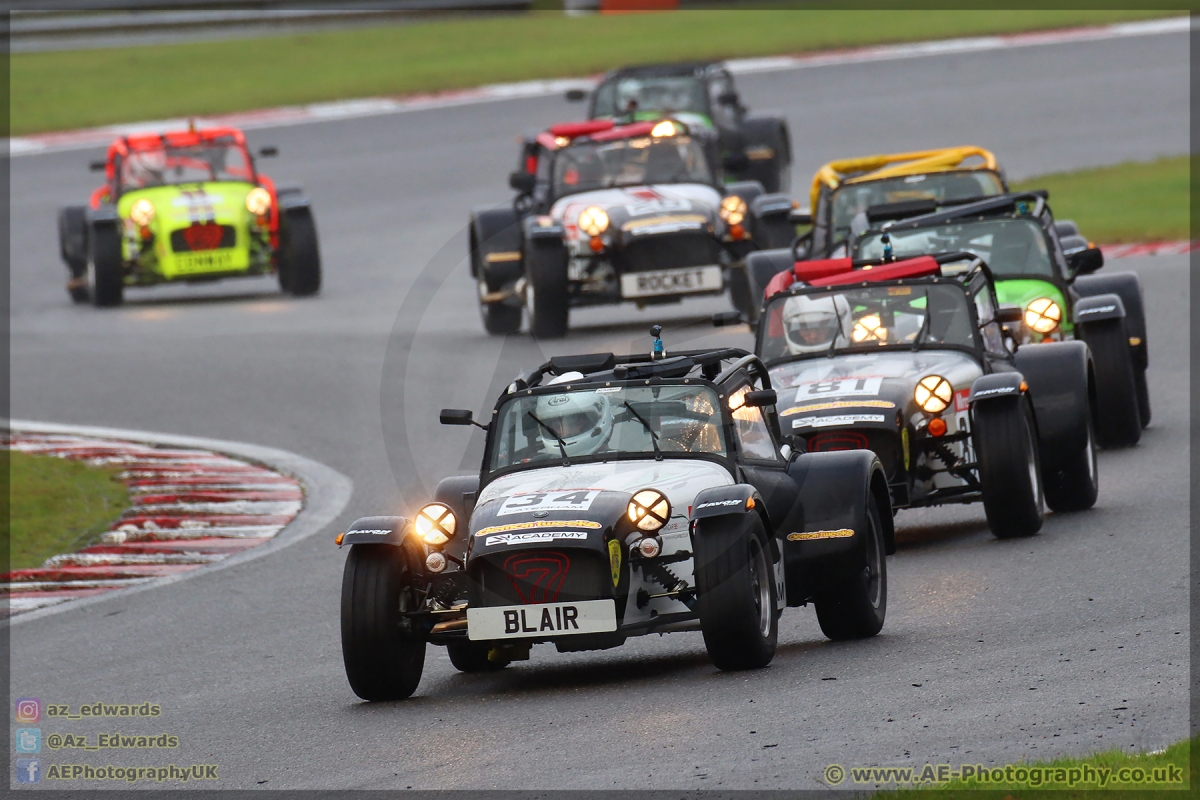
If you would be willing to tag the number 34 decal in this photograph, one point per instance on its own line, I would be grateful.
(570, 500)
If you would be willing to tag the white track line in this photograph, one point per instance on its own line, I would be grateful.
(377, 106)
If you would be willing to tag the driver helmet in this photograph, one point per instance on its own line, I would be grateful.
(810, 325)
(584, 420)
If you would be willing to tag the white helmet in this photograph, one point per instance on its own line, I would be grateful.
(811, 324)
(584, 420)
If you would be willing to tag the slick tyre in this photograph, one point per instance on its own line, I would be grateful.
(1143, 396)
(735, 586)
(547, 298)
(473, 657)
(1013, 495)
(300, 257)
(73, 246)
(106, 274)
(1076, 485)
(498, 318)
(856, 609)
(1118, 418)
(383, 659)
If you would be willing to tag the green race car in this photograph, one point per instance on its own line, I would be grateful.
(186, 206)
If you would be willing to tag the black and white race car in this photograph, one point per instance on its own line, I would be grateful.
(620, 496)
(909, 359)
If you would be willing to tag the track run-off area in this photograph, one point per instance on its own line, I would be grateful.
(993, 651)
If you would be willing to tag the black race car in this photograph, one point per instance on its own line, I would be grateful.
(702, 95)
(620, 496)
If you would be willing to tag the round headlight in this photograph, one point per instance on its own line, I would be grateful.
(869, 328)
(665, 128)
(1043, 315)
(933, 394)
(593, 221)
(649, 510)
(258, 201)
(435, 524)
(733, 210)
(142, 212)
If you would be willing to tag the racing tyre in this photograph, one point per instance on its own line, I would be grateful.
(498, 318)
(1013, 495)
(546, 292)
(1075, 486)
(473, 657)
(300, 267)
(735, 586)
(106, 276)
(856, 609)
(770, 153)
(383, 660)
(1143, 396)
(73, 246)
(1118, 418)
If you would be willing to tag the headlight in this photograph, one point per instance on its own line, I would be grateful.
(733, 210)
(142, 212)
(1043, 315)
(665, 128)
(868, 328)
(593, 221)
(933, 394)
(258, 201)
(649, 510)
(435, 524)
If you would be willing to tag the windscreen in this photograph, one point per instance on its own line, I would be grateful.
(855, 319)
(855, 198)
(630, 162)
(1012, 248)
(169, 165)
(599, 424)
(665, 94)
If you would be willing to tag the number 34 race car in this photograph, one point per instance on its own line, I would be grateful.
(620, 496)
(186, 206)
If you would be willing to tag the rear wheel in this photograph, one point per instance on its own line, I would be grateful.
(856, 609)
(546, 289)
(73, 246)
(735, 587)
(299, 256)
(1118, 419)
(498, 318)
(384, 658)
(1013, 497)
(1075, 486)
(473, 657)
(106, 273)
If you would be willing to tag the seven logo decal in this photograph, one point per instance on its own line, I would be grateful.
(549, 523)
(837, 387)
(841, 420)
(569, 500)
(534, 536)
(843, 533)
(838, 404)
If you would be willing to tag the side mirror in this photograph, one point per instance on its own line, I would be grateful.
(728, 98)
(97, 166)
(763, 397)
(1086, 261)
(523, 182)
(270, 151)
(575, 95)
(456, 416)
(1009, 313)
(727, 318)
(736, 162)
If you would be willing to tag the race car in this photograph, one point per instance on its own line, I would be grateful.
(186, 206)
(609, 213)
(620, 496)
(704, 96)
(907, 358)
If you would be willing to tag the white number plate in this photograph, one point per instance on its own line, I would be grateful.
(543, 619)
(570, 500)
(672, 281)
(838, 387)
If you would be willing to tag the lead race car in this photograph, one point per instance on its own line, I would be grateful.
(186, 206)
(620, 496)
(609, 213)
(908, 358)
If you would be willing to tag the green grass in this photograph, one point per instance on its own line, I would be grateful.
(57, 506)
(1124, 203)
(1177, 755)
(64, 90)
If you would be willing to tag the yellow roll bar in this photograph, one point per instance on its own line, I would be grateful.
(870, 168)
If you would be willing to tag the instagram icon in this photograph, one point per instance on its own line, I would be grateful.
(29, 709)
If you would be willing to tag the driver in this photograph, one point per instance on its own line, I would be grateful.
(584, 420)
(810, 325)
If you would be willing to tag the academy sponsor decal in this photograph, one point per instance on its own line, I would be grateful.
(535, 536)
(840, 420)
(808, 536)
(545, 523)
(837, 387)
(560, 500)
(838, 404)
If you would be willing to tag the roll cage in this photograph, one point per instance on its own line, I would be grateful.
(714, 76)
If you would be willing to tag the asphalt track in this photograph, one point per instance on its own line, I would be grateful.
(993, 651)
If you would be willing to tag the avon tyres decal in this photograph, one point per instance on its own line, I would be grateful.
(837, 387)
(569, 500)
(541, 523)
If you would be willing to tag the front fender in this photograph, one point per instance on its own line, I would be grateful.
(377, 530)
(1058, 376)
(996, 386)
(1099, 307)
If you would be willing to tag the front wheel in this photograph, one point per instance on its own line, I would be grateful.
(299, 256)
(473, 657)
(735, 592)
(384, 659)
(1013, 497)
(547, 297)
(498, 318)
(856, 609)
(106, 273)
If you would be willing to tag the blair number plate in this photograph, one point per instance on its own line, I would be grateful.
(671, 281)
(541, 619)
(213, 261)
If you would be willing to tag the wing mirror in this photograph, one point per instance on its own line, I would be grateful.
(1086, 261)
(97, 166)
(523, 182)
(575, 95)
(727, 318)
(736, 162)
(458, 416)
(728, 98)
(1009, 313)
(270, 151)
(763, 397)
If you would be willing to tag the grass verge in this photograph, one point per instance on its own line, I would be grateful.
(72, 89)
(1174, 762)
(1133, 202)
(57, 506)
